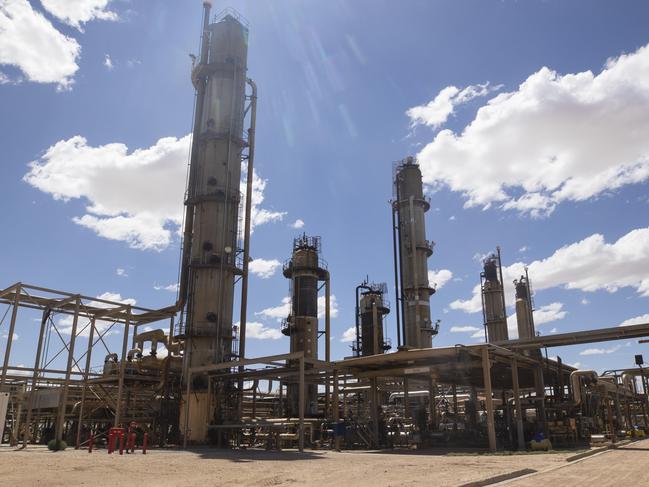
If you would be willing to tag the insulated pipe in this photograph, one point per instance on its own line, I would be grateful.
(575, 380)
(243, 315)
(396, 275)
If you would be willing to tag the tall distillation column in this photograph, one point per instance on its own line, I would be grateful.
(305, 269)
(493, 299)
(212, 201)
(371, 307)
(413, 250)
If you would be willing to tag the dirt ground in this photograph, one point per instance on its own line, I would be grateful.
(37, 466)
(624, 466)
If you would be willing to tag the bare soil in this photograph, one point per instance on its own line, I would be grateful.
(36, 466)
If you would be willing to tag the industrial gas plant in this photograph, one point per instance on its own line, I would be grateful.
(205, 389)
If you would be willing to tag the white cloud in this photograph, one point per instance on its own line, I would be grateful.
(349, 335)
(121, 272)
(32, 44)
(172, 288)
(259, 216)
(464, 329)
(283, 310)
(333, 306)
(277, 312)
(556, 138)
(589, 265)
(545, 314)
(65, 324)
(264, 268)
(259, 331)
(120, 207)
(524, 248)
(585, 301)
(297, 223)
(77, 12)
(436, 112)
(108, 62)
(439, 277)
(554, 330)
(638, 320)
(600, 351)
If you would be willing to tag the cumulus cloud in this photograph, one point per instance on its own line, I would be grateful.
(78, 12)
(556, 138)
(349, 335)
(121, 272)
(464, 329)
(259, 331)
(637, 320)
(284, 309)
(600, 351)
(172, 288)
(109, 178)
(439, 277)
(264, 268)
(108, 62)
(436, 112)
(65, 324)
(32, 44)
(545, 314)
(277, 312)
(333, 306)
(259, 215)
(591, 264)
(297, 224)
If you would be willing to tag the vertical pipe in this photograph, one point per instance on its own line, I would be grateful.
(60, 416)
(406, 398)
(396, 275)
(27, 436)
(375, 411)
(85, 380)
(243, 315)
(399, 241)
(10, 336)
(336, 412)
(327, 338)
(519, 410)
(122, 368)
(502, 283)
(489, 403)
(301, 404)
(187, 402)
(375, 329)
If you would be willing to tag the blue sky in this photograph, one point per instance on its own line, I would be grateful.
(531, 159)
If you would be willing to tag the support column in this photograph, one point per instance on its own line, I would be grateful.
(432, 402)
(122, 368)
(37, 361)
(486, 371)
(60, 416)
(517, 402)
(374, 412)
(301, 404)
(336, 412)
(85, 380)
(188, 393)
(10, 336)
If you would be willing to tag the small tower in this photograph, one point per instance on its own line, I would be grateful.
(371, 307)
(305, 269)
(493, 299)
